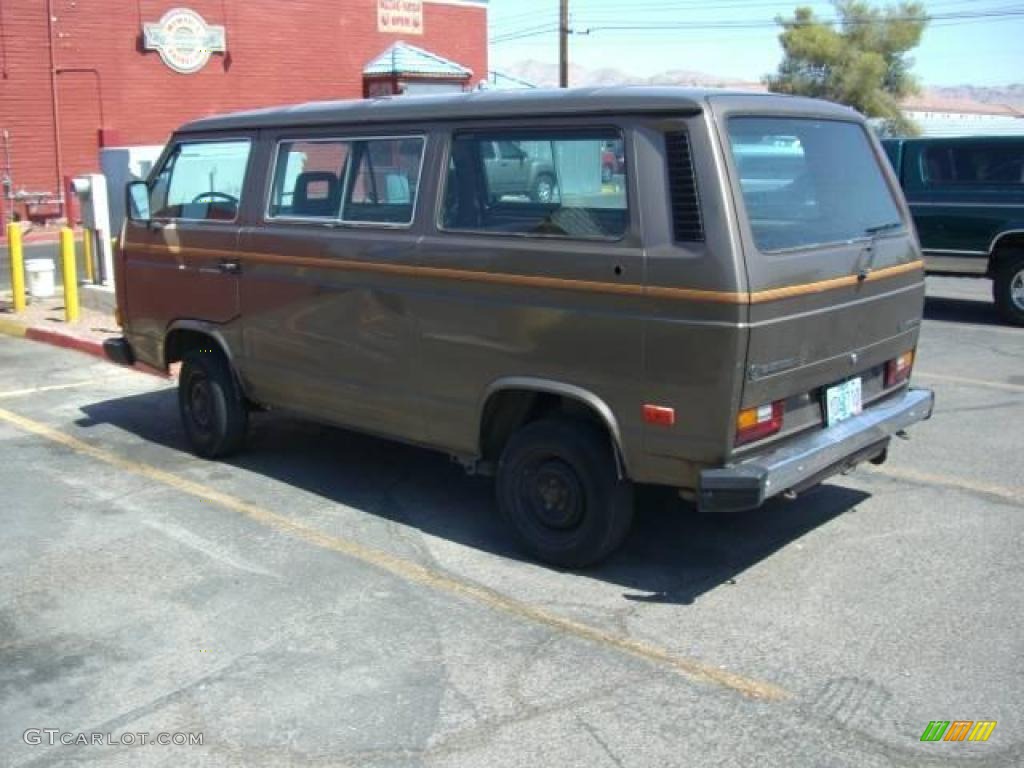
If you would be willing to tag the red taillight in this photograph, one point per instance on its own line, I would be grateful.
(757, 423)
(898, 370)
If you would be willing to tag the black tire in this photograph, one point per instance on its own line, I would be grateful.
(545, 189)
(559, 488)
(213, 410)
(1008, 288)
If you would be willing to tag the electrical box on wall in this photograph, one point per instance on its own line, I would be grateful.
(91, 191)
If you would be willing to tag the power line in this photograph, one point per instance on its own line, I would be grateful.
(656, 5)
(579, 29)
(521, 34)
(749, 34)
(795, 23)
(590, 8)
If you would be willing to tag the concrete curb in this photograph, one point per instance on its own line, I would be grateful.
(65, 340)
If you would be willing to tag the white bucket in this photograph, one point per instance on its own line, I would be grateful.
(40, 278)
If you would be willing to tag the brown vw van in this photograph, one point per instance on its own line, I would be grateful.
(733, 312)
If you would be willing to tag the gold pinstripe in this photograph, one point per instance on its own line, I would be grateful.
(533, 281)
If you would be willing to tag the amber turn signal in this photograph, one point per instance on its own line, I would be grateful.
(760, 422)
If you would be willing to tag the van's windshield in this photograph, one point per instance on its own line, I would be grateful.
(809, 182)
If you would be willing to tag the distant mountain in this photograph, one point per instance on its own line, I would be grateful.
(546, 75)
(1008, 95)
(952, 96)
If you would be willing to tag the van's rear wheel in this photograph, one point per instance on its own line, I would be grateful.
(1008, 288)
(559, 488)
(213, 410)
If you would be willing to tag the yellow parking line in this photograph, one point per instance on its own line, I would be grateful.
(410, 571)
(970, 382)
(1011, 493)
(56, 387)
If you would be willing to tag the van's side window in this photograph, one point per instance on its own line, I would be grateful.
(383, 181)
(557, 184)
(201, 181)
(308, 178)
(1000, 164)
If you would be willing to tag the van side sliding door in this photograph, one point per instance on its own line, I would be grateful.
(326, 326)
(534, 268)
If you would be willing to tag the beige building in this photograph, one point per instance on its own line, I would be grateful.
(938, 116)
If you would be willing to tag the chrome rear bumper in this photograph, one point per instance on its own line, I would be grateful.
(810, 459)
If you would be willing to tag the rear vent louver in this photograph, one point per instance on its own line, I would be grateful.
(686, 218)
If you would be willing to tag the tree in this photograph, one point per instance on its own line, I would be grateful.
(861, 62)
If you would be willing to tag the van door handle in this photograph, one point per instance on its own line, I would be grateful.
(230, 266)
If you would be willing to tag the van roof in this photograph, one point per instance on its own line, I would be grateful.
(482, 105)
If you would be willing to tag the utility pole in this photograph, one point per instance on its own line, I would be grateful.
(563, 45)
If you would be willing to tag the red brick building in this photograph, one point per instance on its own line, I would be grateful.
(78, 75)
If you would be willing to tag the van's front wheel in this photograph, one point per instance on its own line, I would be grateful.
(1008, 288)
(213, 410)
(559, 488)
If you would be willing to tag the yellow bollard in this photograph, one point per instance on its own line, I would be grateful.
(90, 274)
(67, 260)
(17, 266)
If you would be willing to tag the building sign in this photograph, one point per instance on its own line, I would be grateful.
(184, 40)
(400, 17)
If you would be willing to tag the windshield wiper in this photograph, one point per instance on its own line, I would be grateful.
(873, 233)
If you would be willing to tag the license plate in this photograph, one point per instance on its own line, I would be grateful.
(843, 401)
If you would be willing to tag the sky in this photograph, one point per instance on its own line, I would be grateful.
(975, 42)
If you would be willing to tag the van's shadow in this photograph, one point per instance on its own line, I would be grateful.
(673, 555)
(949, 310)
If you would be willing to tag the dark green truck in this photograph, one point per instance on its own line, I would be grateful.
(967, 198)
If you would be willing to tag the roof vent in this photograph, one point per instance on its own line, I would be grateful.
(686, 218)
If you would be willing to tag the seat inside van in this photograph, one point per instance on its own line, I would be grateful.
(317, 193)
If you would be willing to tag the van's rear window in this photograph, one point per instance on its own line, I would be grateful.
(809, 182)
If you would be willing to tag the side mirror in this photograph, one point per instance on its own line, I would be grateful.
(137, 202)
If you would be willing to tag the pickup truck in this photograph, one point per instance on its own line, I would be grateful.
(967, 199)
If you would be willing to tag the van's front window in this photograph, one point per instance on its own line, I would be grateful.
(809, 182)
(201, 181)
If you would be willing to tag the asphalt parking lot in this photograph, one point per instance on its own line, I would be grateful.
(333, 599)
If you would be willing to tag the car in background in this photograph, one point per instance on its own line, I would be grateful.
(520, 168)
(967, 198)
